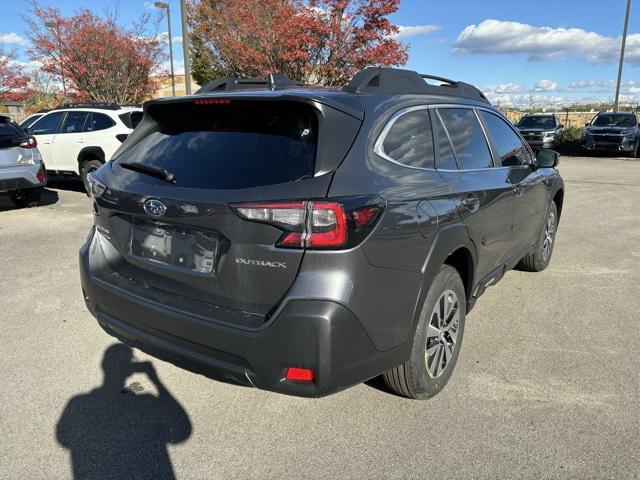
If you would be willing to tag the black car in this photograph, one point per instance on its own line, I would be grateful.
(612, 132)
(305, 239)
(541, 130)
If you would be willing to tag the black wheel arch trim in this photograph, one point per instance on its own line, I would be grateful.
(447, 241)
(90, 153)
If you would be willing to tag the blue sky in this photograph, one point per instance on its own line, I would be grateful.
(555, 51)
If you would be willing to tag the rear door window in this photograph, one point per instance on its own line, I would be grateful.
(241, 145)
(469, 143)
(74, 122)
(98, 121)
(409, 141)
(509, 146)
(48, 125)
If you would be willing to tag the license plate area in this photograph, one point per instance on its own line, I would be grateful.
(173, 246)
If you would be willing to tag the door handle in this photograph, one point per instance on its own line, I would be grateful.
(80, 140)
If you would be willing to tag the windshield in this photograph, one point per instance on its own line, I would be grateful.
(537, 122)
(613, 120)
(234, 146)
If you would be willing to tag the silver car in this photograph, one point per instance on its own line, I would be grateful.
(22, 172)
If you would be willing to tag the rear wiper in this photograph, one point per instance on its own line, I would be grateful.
(157, 172)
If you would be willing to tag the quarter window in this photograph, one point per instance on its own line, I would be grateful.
(409, 141)
(510, 148)
(467, 137)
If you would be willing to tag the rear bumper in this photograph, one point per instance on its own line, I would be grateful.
(19, 177)
(318, 334)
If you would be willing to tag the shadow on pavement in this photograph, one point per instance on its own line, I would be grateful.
(118, 430)
(65, 183)
(49, 197)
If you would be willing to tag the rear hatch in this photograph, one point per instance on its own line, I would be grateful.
(170, 231)
(11, 137)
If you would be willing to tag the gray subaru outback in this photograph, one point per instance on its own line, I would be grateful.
(305, 239)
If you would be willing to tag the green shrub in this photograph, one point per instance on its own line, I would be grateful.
(572, 134)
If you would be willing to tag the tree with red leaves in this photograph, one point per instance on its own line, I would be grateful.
(12, 80)
(314, 41)
(93, 55)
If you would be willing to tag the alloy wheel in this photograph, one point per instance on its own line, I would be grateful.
(442, 334)
(549, 234)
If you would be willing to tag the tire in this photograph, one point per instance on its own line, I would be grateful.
(539, 259)
(428, 369)
(27, 197)
(89, 166)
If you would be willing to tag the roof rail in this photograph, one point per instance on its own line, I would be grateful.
(98, 105)
(397, 81)
(275, 81)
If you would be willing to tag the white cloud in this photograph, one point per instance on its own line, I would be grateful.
(406, 31)
(543, 43)
(546, 86)
(13, 38)
(164, 37)
(581, 84)
(503, 88)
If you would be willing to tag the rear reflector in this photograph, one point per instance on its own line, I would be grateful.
(312, 224)
(42, 175)
(300, 374)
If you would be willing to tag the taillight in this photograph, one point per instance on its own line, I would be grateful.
(42, 175)
(313, 224)
(30, 142)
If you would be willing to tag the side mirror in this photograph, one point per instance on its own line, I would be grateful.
(586, 124)
(546, 158)
(561, 125)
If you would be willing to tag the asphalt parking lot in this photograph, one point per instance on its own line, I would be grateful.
(547, 385)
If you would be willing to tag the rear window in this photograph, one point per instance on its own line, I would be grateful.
(9, 128)
(10, 133)
(241, 145)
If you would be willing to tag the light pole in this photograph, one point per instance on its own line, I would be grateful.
(53, 26)
(185, 47)
(163, 5)
(624, 43)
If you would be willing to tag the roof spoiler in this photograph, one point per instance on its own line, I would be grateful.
(275, 81)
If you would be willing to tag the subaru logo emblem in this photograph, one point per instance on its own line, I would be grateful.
(155, 208)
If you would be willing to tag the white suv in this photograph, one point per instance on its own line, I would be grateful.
(79, 138)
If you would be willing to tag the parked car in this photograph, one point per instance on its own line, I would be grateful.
(612, 132)
(77, 139)
(31, 119)
(22, 173)
(541, 130)
(303, 240)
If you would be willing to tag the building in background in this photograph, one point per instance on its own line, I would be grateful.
(13, 109)
(163, 86)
